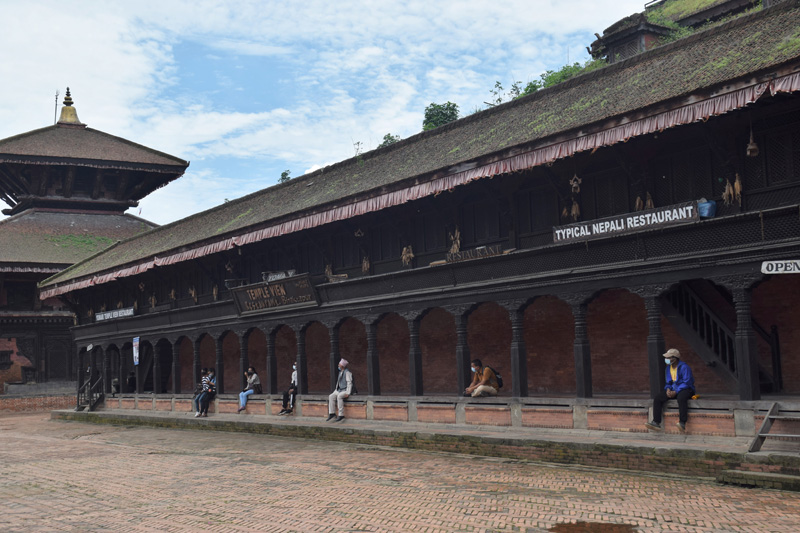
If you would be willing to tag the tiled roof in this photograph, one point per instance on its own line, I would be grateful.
(706, 59)
(41, 237)
(61, 142)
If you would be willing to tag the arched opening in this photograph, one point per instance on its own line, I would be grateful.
(231, 353)
(774, 304)
(437, 340)
(549, 332)
(207, 351)
(164, 348)
(127, 371)
(285, 354)
(318, 349)
(618, 329)
(185, 353)
(145, 373)
(257, 353)
(392, 346)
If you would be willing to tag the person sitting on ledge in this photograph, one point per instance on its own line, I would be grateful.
(680, 386)
(484, 381)
(290, 394)
(253, 387)
(344, 386)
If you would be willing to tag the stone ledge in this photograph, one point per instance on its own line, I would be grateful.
(763, 480)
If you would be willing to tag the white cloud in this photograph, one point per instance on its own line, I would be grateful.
(346, 72)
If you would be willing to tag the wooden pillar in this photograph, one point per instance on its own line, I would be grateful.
(272, 365)
(176, 367)
(80, 377)
(373, 359)
(582, 351)
(519, 355)
(107, 371)
(414, 355)
(196, 363)
(156, 369)
(333, 359)
(220, 367)
(244, 359)
(745, 347)
(139, 374)
(462, 351)
(655, 344)
(302, 362)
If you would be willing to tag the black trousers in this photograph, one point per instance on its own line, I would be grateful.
(286, 394)
(683, 405)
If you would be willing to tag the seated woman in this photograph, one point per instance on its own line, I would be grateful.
(253, 387)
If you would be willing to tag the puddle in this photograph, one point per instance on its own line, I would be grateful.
(592, 527)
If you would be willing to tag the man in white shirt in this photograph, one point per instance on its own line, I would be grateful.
(289, 394)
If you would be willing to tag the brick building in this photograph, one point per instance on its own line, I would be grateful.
(67, 187)
(557, 237)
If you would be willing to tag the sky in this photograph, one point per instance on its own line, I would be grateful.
(247, 89)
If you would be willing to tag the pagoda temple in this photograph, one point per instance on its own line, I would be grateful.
(67, 187)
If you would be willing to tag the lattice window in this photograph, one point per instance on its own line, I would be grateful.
(611, 193)
(779, 158)
(480, 222)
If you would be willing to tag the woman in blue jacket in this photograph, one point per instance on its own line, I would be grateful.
(680, 386)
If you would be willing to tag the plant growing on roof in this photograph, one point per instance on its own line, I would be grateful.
(439, 114)
(389, 139)
(284, 176)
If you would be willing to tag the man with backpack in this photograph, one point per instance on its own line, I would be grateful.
(484, 381)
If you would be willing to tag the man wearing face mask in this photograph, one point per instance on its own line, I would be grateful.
(484, 381)
(680, 386)
(289, 394)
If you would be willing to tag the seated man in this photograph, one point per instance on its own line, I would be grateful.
(484, 382)
(290, 394)
(680, 385)
(344, 386)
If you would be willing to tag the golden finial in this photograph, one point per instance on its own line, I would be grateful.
(68, 113)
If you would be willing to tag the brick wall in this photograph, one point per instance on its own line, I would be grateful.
(549, 332)
(208, 352)
(35, 403)
(14, 373)
(618, 337)
(437, 339)
(489, 339)
(230, 358)
(775, 303)
(186, 355)
(393, 345)
(257, 353)
(318, 351)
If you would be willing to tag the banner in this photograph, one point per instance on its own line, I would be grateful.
(627, 223)
(136, 350)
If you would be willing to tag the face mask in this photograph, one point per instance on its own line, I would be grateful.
(667, 361)
(294, 367)
(473, 369)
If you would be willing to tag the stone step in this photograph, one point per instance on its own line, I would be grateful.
(760, 479)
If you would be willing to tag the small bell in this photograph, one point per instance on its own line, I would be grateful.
(752, 147)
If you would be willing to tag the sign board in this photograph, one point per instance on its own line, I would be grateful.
(116, 313)
(295, 291)
(627, 223)
(475, 253)
(788, 266)
(269, 277)
(136, 350)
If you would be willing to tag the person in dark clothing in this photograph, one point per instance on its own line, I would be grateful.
(130, 383)
(680, 386)
(209, 391)
(290, 393)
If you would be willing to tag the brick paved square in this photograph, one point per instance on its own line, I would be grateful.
(69, 476)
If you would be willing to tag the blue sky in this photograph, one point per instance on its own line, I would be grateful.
(245, 90)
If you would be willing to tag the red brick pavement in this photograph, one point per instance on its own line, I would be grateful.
(68, 476)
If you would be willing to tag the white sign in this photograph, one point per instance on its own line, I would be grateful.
(116, 313)
(136, 350)
(627, 223)
(790, 266)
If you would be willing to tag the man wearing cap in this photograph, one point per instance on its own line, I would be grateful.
(344, 385)
(680, 386)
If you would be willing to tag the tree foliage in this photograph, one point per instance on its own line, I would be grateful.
(284, 176)
(439, 114)
(389, 139)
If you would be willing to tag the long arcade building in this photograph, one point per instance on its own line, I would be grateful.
(565, 238)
